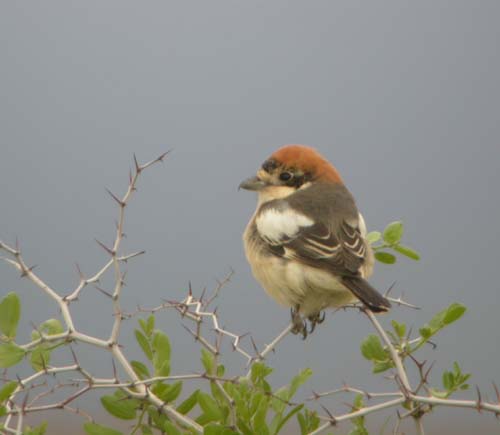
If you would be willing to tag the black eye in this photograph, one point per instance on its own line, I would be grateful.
(285, 176)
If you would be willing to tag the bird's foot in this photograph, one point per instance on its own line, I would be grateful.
(316, 319)
(299, 324)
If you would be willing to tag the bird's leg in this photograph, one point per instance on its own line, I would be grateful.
(316, 319)
(299, 324)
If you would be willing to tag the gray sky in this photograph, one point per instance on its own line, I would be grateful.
(402, 97)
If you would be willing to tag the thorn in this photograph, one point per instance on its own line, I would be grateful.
(390, 289)
(434, 345)
(190, 289)
(479, 399)
(497, 392)
(137, 166)
(42, 360)
(80, 273)
(191, 332)
(26, 271)
(333, 420)
(75, 359)
(255, 348)
(410, 331)
(162, 157)
(202, 294)
(18, 251)
(25, 401)
(115, 375)
(103, 246)
(427, 373)
(130, 176)
(118, 200)
(104, 292)
(122, 279)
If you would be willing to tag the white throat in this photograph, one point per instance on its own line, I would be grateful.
(274, 192)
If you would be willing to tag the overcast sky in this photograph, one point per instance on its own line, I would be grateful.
(402, 97)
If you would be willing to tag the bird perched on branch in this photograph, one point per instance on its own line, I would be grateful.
(306, 240)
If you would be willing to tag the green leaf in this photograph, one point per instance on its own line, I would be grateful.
(302, 423)
(7, 390)
(385, 257)
(372, 349)
(144, 344)
(358, 402)
(3, 411)
(161, 353)
(243, 427)
(448, 381)
(360, 430)
(382, 366)
(10, 354)
(168, 393)
(208, 361)
(140, 369)
(425, 332)
(142, 324)
(120, 406)
(217, 429)
(453, 313)
(373, 236)
(39, 430)
(150, 324)
(407, 252)
(170, 429)
(439, 394)
(399, 328)
(40, 357)
(278, 402)
(209, 407)
(393, 232)
(298, 381)
(52, 327)
(147, 325)
(155, 417)
(440, 320)
(220, 370)
(259, 418)
(259, 372)
(97, 429)
(189, 403)
(288, 417)
(10, 313)
(308, 421)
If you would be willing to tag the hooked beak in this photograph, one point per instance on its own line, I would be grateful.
(252, 183)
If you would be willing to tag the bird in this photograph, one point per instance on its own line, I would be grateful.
(306, 241)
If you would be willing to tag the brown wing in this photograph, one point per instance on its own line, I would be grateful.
(342, 252)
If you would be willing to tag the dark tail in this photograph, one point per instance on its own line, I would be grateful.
(366, 293)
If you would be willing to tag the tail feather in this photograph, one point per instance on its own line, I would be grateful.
(363, 290)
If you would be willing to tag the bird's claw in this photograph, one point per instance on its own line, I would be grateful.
(316, 319)
(299, 324)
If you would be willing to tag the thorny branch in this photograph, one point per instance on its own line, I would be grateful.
(203, 318)
(418, 404)
(71, 333)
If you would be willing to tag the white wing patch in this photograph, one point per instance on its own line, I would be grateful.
(362, 225)
(275, 225)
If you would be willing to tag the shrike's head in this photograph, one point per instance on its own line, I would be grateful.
(290, 168)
